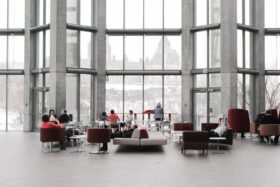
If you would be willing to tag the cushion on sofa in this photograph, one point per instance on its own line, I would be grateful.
(136, 134)
(144, 133)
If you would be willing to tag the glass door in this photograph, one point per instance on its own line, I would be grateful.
(207, 106)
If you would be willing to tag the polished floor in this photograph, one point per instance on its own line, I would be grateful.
(247, 163)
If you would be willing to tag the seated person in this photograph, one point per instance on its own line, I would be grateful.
(263, 118)
(48, 124)
(220, 130)
(128, 131)
(113, 118)
(64, 118)
(103, 118)
(128, 119)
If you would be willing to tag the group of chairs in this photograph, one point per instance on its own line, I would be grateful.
(93, 135)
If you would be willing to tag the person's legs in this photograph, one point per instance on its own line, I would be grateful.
(276, 139)
(242, 135)
(62, 147)
(213, 134)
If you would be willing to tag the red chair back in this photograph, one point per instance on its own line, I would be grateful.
(99, 135)
(238, 120)
(209, 126)
(183, 126)
(52, 134)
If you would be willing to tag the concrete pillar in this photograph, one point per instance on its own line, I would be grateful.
(187, 59)
(228, 55)
(58, 55)
(259, 58)
(30, 59)
(99, 86)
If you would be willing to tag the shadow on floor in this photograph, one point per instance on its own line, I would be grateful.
(137, 149)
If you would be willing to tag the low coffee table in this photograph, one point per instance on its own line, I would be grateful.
(218, 139)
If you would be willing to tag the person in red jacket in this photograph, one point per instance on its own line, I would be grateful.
(48, 124)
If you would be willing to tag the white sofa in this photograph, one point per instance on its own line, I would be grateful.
(155, 138)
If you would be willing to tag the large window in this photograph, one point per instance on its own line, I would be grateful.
(272, 14)
(140, 93)
(152, 51)
(272, 92)
(272, 52)
(207, 12)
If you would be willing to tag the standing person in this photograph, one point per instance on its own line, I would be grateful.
(158, 115)
(46, 123)
(103, 118)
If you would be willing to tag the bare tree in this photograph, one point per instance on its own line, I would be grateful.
(272, 93)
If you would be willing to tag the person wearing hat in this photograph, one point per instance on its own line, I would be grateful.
(221, 129)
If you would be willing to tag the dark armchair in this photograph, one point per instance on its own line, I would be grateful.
(52, 135)
(197, 140)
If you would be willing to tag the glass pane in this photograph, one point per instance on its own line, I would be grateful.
(134, 14)
(172, 52)
(247, 12)
(40, 12)
(271, 13)
(3, 14)
(215, 106)
(72, 94)
(153, 52)
(114, 94)
(248, 50)
(214, 11)
(72, 48)
(272, 92)
(40, 48)
(3, 103)
(172, 97)
(240, 92)
(153, 13)
(152, 92)
(114, 14)
(114, 53)
(201, 50)
(215, 80)
(85, 93)
(15, 102)
(239, 11)
(214, 49)
(38, 100)
(48, 48)
(200, 109)
(134, 52)
(271, 52)
(3, 49)
(16, 52)
(85, 12)
(201, 12)
(85, 49)
(248, 91)
(133, 96)
(200, 81)
(72, 11)
(172, 13)
(16, 13)
(48, 11)
(240, 48)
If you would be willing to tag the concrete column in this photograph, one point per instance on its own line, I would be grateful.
(100, 59)
(58, 55)
(228, 55)
(259, 58)
(187, 59)
(30, 59)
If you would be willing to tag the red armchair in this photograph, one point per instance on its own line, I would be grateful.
(197, 140)
(238, 120)
(99, 135)
(52, 135)
(182, 127)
